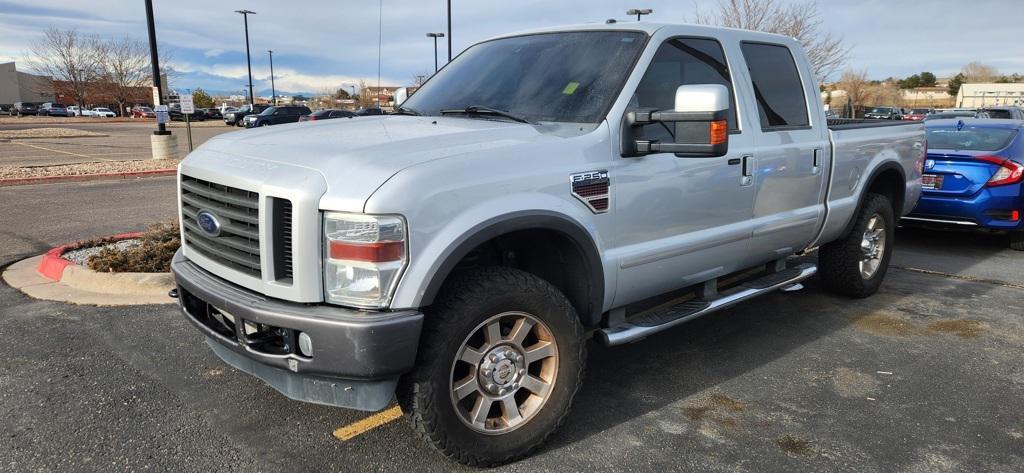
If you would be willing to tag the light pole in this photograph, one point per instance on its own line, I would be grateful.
(273, 91)
(449, 30)
(154, 58)
(245, 15)
(435, 36)
(639, 12)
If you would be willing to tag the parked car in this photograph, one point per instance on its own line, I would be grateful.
(972, 177)
(52, 109)
(140, 111)
(370, 111)
(956, 114)
(103, 112)
(235, 117)
(831, 114)
(5, 109)
(326, 115)
(470, 244)
(174, 113)
(884, 113)
(1012, 113)
(74, 111)
(276, 116)
(213, 113)
(918, 114)
(25, 108)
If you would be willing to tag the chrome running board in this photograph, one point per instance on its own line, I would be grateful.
(636, 328)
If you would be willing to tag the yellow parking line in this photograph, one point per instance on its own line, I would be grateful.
(59, 151)
(361, 427)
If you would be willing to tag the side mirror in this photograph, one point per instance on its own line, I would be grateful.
(698, 124)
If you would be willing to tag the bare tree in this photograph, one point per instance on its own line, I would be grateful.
(125, 70)
(975, 72)
(857, 87)
(69, 59)
(802, 21)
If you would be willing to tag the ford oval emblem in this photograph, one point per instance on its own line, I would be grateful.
(208, 223)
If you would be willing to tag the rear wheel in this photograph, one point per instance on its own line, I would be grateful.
(1017, 240)
(501, 359)
(856, 265)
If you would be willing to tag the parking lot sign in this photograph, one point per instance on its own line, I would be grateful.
(187, 106)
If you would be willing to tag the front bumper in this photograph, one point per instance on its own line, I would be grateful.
(356, 358)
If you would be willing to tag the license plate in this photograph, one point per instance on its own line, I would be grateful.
(931, 181)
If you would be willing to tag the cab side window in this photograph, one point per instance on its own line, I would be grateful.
(777, 86)
(682, 61)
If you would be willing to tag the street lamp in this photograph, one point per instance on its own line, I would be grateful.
(273, 91)
(245, 15)
(435, 36)
(639, 12)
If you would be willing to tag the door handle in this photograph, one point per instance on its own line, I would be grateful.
(816, 163)
(747, 171)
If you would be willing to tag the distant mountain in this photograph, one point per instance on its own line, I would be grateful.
(259, 92)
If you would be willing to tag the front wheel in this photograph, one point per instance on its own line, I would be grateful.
(501, 358)
(856, 264)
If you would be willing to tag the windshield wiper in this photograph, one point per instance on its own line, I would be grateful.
(484, 110)
(406, 111)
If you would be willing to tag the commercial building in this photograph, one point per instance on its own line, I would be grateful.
(17, 86)
(990, 94)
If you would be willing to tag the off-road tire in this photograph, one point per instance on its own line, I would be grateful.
(468, 299)
(1017, 240)
(838, 261)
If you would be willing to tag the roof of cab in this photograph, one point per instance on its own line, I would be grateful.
(647, 27)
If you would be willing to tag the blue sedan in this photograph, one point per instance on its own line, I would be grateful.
(972, 176)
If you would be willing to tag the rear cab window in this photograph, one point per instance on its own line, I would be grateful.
(778, 89)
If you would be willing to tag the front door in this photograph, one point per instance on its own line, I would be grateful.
(680, 221)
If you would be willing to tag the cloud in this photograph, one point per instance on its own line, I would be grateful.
(213, 52)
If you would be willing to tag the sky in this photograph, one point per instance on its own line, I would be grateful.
(322, 45)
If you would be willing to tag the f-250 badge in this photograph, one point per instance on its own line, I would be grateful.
(592, 188)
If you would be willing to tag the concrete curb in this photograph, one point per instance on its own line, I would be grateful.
(24, 181)
(51, 277)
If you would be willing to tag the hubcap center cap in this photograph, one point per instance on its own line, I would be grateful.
(501, 370)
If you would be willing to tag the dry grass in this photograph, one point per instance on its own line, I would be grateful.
(79, 169)
(153, 255)
(47, 133)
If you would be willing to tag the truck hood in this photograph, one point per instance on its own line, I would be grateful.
(356, 156)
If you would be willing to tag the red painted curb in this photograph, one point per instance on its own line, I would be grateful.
(52, 265)
(22, 181)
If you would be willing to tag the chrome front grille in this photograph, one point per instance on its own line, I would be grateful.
(237, 244)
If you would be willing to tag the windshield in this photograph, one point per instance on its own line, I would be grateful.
(998, 113)
(970, 138)
(881, 110)
(268, 111)
(919, 111)
(559, 77)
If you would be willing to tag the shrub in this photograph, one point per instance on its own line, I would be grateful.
(153, 255)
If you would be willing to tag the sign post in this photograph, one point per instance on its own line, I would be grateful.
(187, 108)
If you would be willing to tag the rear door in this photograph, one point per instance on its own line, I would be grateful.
(792, 151)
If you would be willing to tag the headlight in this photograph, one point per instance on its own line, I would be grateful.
(363, 258)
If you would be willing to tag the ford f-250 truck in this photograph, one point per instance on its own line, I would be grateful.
(463, 250)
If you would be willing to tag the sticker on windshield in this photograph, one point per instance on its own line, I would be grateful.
(570, 88)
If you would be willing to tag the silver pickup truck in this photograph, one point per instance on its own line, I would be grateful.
(462, 251)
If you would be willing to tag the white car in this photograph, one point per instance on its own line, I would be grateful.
(76, 112)
(102, 112)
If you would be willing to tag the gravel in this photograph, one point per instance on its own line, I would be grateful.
(99, 167)
(47, 133)
(81, 255)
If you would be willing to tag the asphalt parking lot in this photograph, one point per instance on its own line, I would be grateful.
(926, 376)
(124, 141)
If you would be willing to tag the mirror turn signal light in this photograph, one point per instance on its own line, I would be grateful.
(719, 132)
